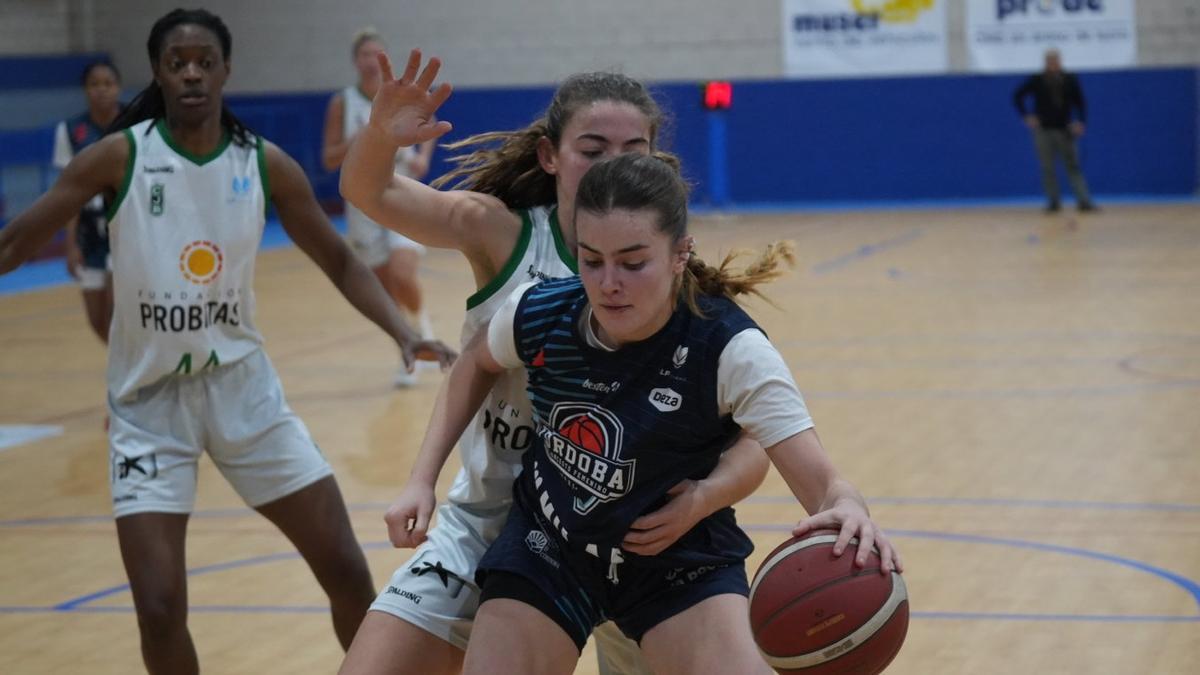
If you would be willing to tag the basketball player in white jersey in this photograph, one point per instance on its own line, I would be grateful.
(189, 187)
(393, 257)
(512, 223)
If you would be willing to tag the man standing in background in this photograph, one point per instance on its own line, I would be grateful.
(1055, 94)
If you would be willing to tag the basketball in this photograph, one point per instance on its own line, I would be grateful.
(584, 432)
(817, 614)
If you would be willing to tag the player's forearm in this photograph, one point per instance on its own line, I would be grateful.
(362, 289)
(806, 468)
(368, 171)
(452, 414)
(738, 474)
(26, 234)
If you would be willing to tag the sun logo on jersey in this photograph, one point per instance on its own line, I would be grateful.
(583, 441)
(201, 262)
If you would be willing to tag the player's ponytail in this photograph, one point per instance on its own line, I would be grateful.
(722, 280)
(505, 163)
(149, 104)
(634, 182)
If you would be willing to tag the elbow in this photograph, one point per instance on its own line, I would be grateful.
(760, 467)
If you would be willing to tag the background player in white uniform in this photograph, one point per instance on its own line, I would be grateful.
(87, 233)
(513, 224)
(190, 186)
(393, 257)
(640, 298)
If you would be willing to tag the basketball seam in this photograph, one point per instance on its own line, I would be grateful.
(770, 563)
(809, 593)
(898, 597)
(866, 641)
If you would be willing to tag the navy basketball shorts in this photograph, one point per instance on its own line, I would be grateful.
(529, 562)
(91, 235)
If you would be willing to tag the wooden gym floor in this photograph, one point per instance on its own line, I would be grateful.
(1018, 394)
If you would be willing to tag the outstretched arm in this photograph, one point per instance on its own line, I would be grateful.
(833, 501)
(307, 225)
(463, 391)
(757, 387)
(403, 114)
(97, 169)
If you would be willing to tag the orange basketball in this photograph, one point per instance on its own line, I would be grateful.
(584, 432)
(816, 614)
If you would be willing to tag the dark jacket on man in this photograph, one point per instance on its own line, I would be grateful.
(1054, 96)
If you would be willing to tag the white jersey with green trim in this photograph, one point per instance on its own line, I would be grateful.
(502, 430)
(184, 232)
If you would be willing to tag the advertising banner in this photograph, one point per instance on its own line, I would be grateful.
(828, 38)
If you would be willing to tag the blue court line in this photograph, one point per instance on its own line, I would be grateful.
(80, 604)
(1183, 582)
(1015, 392)
(998, 501)
(1099, 618)
(866, 251)
(841, 206)
(758, 499)
(76, 603)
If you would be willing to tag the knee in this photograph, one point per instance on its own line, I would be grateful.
(161, 614)
(343, 569)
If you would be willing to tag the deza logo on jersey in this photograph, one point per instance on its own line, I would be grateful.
(665, 399)
(1006, 8)
(583, 441)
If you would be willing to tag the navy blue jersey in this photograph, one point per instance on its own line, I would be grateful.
(617, 430)
(82, 131)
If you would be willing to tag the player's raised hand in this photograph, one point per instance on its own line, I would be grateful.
(404, 108)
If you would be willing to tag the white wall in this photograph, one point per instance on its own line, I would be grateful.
(304, 44)
(34, 26)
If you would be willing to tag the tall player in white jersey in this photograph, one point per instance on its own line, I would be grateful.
(393, 257)
(513, 224)
(189, 187)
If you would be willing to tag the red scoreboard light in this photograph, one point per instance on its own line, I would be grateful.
(718, 95)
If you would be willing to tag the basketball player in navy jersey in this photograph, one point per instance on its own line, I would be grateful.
(511, 216)
(641, 371)
(87, 233)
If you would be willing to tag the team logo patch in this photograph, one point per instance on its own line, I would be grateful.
(680, 356)
(157, 199)
(665, 399)
(443, 575)
(201, 262)
(125, 468)
(583, 441)
(241, 187)
(537, 541)
(542, 547)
